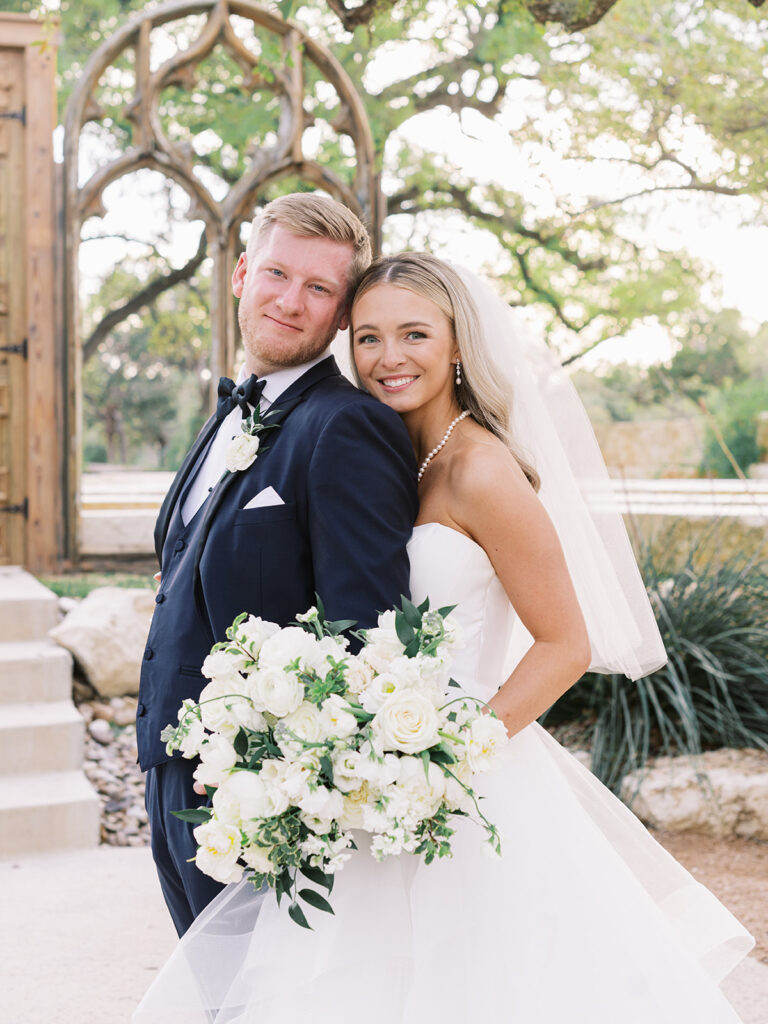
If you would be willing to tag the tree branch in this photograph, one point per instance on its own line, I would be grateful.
(144, 297)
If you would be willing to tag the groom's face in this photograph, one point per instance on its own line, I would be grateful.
(293, 298)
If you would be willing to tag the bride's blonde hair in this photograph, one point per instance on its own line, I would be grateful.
(488, 403)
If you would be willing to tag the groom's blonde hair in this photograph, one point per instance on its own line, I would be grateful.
(314, 215)
(479, 392)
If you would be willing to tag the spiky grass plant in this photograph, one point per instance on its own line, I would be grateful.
(713, 692)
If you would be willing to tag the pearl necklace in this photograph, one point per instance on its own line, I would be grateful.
(438, 446)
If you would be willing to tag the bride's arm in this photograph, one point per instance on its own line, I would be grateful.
(494, 503)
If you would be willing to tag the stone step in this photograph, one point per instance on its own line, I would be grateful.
(27, 608)
(40, 738)
(47, 811)
(34, 671)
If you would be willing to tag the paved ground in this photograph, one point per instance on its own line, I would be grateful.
(84, 933)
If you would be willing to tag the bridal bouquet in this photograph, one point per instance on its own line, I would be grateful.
(301, 742)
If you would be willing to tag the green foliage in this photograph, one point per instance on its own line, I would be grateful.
(713, 692)
(735, 412)
(81, 584)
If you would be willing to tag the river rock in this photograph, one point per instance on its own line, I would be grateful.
(720, 793)
(106, 633)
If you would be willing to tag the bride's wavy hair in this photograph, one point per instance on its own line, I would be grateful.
(488, 402)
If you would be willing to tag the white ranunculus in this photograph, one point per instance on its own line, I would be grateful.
(193, 739)
(217, 759)
(382, 644)
(336, 719)
(224, 711)
(241, 452)
(381, 687)
(277, 691)
(256, 797)
(322, 803)
(486, 744)
(353, 807)
(297, 778)
(408, 721)
(346, 770)
(218, 851)
(424, 789)
(257, 857)
(224, 666)
(358, 674)
(254, 631)
(304, 722)
(291, 643)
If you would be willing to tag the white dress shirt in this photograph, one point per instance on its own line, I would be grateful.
(214, 463)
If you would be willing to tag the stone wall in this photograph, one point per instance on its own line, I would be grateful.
(644, 449)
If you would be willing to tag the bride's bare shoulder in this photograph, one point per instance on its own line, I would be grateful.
(486, 480)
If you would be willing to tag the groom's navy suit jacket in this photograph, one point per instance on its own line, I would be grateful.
(344, 466)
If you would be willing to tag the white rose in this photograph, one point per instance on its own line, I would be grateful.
(304, 722)
(487, 743)
(224, 666)
(336, 719)
(217, 759)
(241, 452)
(257, 857)
(408, 721)
(218, 850)
(277, 691)
(255, 797)
(353, 806)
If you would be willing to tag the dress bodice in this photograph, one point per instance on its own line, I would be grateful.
(452, 569)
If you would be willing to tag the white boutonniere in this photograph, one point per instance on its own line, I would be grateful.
(244, 448)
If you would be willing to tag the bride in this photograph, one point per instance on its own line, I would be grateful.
(584, 919)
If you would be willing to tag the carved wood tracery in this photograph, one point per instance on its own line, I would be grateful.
(151, 148)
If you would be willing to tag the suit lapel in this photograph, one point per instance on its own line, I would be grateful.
(166, 509)
(282, 406)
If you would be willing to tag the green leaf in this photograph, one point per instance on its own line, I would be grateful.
(446, 610)
(412, 648)
(452, 682)
(405, 633)
(425, 761)
(314, 899)
(241, 743)
(340, 625)
(297, 914)
(194, 815)
(317, 876)
(326, 767)
(441, 755)
(320, 607)
(411, 613)
(424, 606)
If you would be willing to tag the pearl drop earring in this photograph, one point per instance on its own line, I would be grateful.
(458, 372)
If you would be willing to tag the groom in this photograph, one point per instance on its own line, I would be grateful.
(326, 507)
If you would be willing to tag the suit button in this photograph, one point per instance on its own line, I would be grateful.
(141, 709)
(179, 545)
(159, 598)
(148, 654)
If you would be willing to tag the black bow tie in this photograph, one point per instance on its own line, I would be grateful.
(246, 394)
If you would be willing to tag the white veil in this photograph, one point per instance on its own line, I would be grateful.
(552, 430)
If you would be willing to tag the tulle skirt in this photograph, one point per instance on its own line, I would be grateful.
(584, 919)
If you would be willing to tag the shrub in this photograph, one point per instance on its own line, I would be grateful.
(735, 412)
(713, 691)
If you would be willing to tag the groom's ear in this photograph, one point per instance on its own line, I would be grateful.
(238, 275)
(344, 319)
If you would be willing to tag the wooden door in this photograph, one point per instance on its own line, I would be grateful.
(13, 313)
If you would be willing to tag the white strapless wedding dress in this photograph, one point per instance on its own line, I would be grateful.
(584, 919)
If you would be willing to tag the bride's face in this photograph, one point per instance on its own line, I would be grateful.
(403, 346)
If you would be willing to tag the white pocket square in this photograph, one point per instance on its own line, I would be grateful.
(268, 496)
